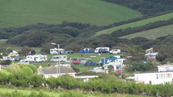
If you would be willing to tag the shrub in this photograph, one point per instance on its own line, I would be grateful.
(5, 62)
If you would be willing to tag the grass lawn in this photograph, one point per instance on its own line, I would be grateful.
(59, 92)
(90, 56)
(4, 90)
(136, 24)
(152, 33)
(17, 13)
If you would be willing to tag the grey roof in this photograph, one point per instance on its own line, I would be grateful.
(55, 70)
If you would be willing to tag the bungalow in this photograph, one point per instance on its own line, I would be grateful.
(164, 75)
(154, 78)
(55, 71)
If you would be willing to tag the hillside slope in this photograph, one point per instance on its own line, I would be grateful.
(17, 13)
(153, 33)
(136, 24)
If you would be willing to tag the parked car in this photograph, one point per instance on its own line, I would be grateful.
(115, 51)
(70, 51)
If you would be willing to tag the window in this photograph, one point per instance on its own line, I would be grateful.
(157, 76)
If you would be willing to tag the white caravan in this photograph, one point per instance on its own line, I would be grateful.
(102, 50)
(62, 58)
(57, 51)
(36, 58)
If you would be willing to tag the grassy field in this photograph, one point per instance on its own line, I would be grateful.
(16, 13)
(136, 24)
(90, 56)
(59, 92)
(153, 33)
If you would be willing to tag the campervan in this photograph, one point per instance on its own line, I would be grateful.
(62, 58)
(36, 58)
(57, 51)
(102, 50)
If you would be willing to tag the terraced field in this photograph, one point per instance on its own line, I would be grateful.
(136, 24)
(153, 33)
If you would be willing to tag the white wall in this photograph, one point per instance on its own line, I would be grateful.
(57, 75)
(154, 78)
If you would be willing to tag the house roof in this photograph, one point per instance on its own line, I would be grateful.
(55, 70)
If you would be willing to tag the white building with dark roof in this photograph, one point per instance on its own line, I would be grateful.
(55, 71)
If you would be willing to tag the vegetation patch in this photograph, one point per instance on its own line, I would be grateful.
(136, 24)
(23, 12)
(152, 33)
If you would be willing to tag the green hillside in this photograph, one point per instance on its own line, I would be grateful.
(23, 12)
(153, 33)
(136, 24)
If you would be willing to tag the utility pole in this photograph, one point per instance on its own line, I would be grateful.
(58, 70)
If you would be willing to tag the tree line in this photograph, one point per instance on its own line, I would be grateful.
(74, 34)
(146, 7)
(25, 76)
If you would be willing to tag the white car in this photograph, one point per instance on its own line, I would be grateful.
(115, 51)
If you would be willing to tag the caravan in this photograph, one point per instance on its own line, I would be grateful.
(62, 58)
(57, 51)
(36, 58)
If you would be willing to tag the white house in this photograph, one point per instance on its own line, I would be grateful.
(117, 64)
(56, 71)
(56, 51)
(36, 58)
(154, 78)
(151, 54)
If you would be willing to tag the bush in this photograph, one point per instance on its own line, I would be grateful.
(139, 66)
(4, 78)
(68, 82)
(5, 62)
